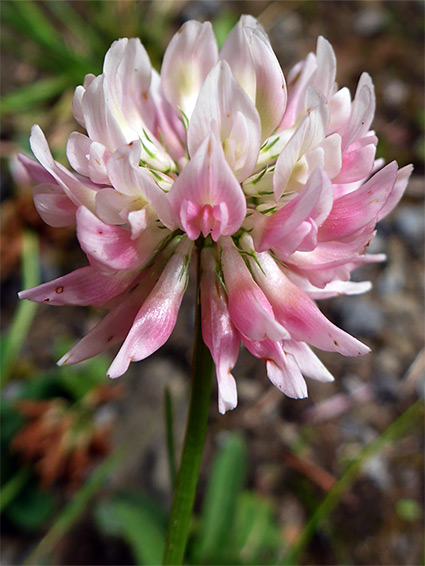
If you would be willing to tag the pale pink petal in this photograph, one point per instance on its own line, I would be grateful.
(99, 156)
(324, 79)
(272, 230)
(85, 286)
(130, 179)
(355, 210)
(78, 152)
(362, 112)
(357, 163)
(307, 361)
(73, 188)
(138, 220)
(249, 309)
(256, 68)
(54, 207)
(218, 332)
(113, 207)
(223, 101)
(340, 109)
(332, 289)
(309, 134)
(108, 244)
(77, 101)
(102, 126)
(122, 170)
(236, 50)
(157, 317)
(127, 72)
(167, 126)
(189, 57)
(298, 80)
(397, 191)
(330, 156)
(282, 370)
(206, 197)
(36, 171)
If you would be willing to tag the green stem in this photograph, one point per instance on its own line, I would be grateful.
(169, 422)
(187, 479)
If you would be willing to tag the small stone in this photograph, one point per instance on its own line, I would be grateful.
(361, 317)
(370, 21)
(395, 93)
(409, 222)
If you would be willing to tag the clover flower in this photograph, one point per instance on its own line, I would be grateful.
(277, 184)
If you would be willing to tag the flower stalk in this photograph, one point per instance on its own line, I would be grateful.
(187, 478)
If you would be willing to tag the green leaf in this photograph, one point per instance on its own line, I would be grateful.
(75, 508)
(256, 534)
(226, 480)
(138, 522)
(409, 510)
(10, 423)
(31, 508)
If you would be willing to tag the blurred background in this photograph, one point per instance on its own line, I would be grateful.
(87, 464)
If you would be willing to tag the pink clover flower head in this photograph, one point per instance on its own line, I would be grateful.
(276, 182)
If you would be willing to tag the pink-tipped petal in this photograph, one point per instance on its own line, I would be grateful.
(299, 79)
(157, 317)
(54, 207)
(397, 191)
(108, 244)
(218, 332)
(85, 286)
(249, 309)
(114, 327)
(359, 208)
(275, 229)
(297, 312)
(36, 171)
(206, 197)
(357, 163)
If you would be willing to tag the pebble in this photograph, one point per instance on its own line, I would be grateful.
(409, 222)
(370, 21)
(361, 317)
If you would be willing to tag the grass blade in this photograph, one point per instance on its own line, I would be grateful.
(23, 99)
(395, 430)
(26, 310)
(11, 489)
